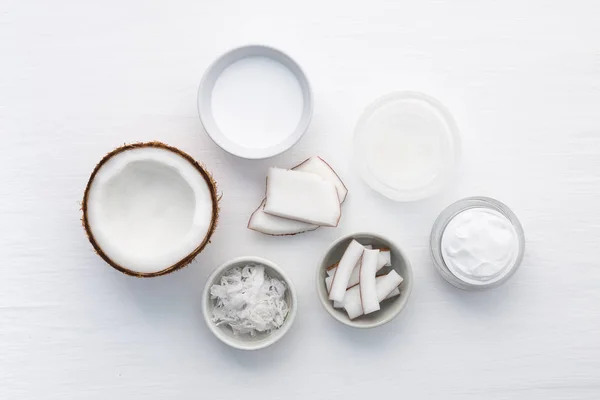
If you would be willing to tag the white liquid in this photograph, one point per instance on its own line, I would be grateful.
(407, 142)
(257, 102)
(480, 245)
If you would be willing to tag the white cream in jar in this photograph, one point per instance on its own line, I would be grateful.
(480, 246)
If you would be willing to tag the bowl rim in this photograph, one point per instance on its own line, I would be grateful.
(269, 340)
(212, 74)
(408, 280)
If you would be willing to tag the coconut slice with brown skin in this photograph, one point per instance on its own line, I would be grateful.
(355, 289)
(368, 286)
(302, 196)
(316, 165)
(149, 209)
(385, 285)
(351, 256)
(268, 224)
(355, 276)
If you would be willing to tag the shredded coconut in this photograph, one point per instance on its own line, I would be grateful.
(249, 301)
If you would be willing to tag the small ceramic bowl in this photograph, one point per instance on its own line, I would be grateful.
(246, 342)
(389, 308)
(249, 95)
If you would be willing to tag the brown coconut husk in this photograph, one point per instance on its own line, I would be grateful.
(188, 259)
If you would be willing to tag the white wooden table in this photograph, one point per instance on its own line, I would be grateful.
(522, 78)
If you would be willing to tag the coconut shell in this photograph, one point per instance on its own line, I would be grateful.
(185, 261)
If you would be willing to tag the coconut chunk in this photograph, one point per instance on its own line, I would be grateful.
(387, 283)
(269, 224)
(337, 304)
(302, 196)
(355, 291)
(340, 279)
(384, 285)
(354, 277)
(368, 290)
(317, 165)
(328, 282)
(385, 256)
(149, 209)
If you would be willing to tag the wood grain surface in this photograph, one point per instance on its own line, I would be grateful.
(522, 78)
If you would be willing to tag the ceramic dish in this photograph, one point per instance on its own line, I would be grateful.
(255, 102)
(247, 342)
(406, 146)
(389, 308)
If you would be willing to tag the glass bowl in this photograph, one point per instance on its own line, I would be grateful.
(406, 146)
(438, 231)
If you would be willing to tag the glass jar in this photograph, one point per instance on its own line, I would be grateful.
(438, 232)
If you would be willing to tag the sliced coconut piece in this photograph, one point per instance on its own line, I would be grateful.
(303, 197)
(384, 285)
(355, 277)
(387, 283)
(342, 274)
(149, 209)
(331, 269)
(269, 224)
(328, 282)
(317, 165)
(386, 257)
(337, 304)
(368, 289)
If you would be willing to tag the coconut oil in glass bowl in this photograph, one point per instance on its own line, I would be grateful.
(477, 243)
(406, 146)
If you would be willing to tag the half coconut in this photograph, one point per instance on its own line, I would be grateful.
(149, 209)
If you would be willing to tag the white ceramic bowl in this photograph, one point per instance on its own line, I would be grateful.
(406, 131)
(258, 115)
(246, 342)
(389, 308)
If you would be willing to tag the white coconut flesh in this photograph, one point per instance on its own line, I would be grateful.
(356, 291)
(353, 284)
(384, 286)
(300, 200)
(355, 277)
(350, 258)
(316, 165)
(148, 209)
(271, 225)
(302, 197)
(368, 285)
